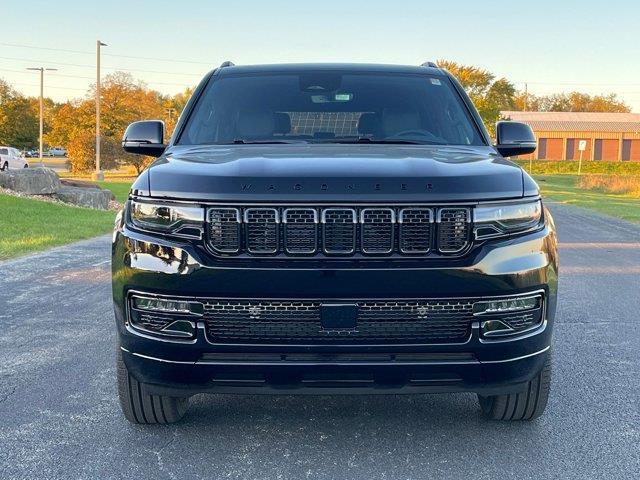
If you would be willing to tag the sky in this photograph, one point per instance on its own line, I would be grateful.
(553, 46)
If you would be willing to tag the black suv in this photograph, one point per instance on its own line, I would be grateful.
(333, 229)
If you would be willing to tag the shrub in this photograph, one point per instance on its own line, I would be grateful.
(625, 185)
(82, 152)
(552, 167)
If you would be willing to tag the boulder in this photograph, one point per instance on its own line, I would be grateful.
(85, 197)
(68, 182)
(31, 181)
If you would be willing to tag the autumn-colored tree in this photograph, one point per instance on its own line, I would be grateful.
(570, 102)
(18, 118)
(81, 151)
(173, 106)
(489, 95)
(123, 100)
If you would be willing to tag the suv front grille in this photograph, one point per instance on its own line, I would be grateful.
(453, 229)
(298, 321)
(300, 230)
(378, 226)
(338, 231)
(416, 230)
(262, 230)
(224, 229)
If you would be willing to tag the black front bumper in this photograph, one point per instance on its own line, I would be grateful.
(488, 366)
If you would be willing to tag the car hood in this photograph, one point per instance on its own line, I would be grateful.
(334, 173)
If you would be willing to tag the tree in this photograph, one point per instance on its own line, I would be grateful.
(81, 150)
(123, 100)
(489, 95)
(571, 102)
(19, 123)
(173, 106)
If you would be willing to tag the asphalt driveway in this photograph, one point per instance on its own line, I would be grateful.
(59, 414)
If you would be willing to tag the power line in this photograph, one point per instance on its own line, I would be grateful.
(56, 75)
(155, 59)
(93, 66)
(48, 86)
(91, 78)
(584, 84)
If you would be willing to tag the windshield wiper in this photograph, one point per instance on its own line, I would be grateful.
(375, 141)
(241, 141)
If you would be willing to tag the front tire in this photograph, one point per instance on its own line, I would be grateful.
(141, 407)
(526, 405)
(5, 167)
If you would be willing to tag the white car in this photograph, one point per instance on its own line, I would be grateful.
(11, 158)
(57, 152)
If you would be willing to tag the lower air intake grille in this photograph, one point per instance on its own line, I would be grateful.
(379, 322)
(453, 229)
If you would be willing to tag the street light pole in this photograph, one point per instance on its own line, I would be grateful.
(98, 174)
(41, 70)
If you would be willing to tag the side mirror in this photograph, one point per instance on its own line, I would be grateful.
(514, 138)
(145, 138)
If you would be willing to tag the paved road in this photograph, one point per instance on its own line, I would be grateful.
(58, 164)
(59, 416)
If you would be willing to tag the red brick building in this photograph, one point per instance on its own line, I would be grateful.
(609, 136)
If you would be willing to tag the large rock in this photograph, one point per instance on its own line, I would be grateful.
(85, 197)
(31, 181)
(69, 182)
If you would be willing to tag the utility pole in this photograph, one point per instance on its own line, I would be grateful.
(98, 174)
(41, 70)
(526, 96)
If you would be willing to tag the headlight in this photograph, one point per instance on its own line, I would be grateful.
(185, 221)
(498, 220)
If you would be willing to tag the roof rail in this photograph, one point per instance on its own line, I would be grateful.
(429, 64)
(227, 64)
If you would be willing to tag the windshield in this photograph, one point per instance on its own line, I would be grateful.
(330, 107)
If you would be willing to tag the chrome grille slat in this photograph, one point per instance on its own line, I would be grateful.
(300, 230)
(224, 229)
(262, 230)
(453, 229)
(339, 231)
(416, 225)
(377, 230)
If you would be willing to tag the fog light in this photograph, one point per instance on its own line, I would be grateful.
(180, 328)
(506, 305)
(163, 324)
(495, 327)
(167, 306)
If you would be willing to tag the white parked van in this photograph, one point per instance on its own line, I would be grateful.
(11, 158)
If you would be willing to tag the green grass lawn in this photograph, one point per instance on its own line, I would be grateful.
(28, 225)
(562, 188)
(119, 189)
